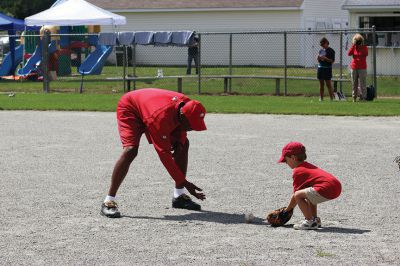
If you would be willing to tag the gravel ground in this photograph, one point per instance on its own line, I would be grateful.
(55, 170)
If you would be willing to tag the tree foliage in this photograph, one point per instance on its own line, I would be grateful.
(24, 8)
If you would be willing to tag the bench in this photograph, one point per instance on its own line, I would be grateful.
(227, 80)
(179, 79)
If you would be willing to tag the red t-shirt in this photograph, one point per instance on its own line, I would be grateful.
(359, 53)
(307, 175)
(158, 109)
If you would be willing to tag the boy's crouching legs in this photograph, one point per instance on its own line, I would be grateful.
(302, 202)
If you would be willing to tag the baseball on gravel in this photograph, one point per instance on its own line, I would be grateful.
(249, 217)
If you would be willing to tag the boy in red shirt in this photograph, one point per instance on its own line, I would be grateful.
(311, 185)
(164, 117)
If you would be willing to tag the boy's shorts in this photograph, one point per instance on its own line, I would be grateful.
(324, 73)
(314, 197)
(130, 126)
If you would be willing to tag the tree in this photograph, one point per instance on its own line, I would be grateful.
(24, 8)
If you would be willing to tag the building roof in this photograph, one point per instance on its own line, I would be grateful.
(195, 4)
(378, 5)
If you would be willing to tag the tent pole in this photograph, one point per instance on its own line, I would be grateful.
(45, 59)
(81, 88)
(124, 63)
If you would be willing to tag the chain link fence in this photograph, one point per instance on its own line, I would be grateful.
(280, 62)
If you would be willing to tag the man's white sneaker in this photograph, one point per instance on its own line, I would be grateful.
(306, 225)
(110, 209)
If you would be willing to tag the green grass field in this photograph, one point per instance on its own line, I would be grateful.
(214, 104)
(103, 84)
(100, 93)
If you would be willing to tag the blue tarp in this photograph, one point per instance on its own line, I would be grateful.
(161, 38)
(144, 37)
(107, 38)
(126, 38)
(182, 38)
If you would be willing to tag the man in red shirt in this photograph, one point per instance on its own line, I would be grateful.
(311, 185)
(164, 117)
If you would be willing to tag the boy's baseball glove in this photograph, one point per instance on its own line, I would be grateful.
(279, 217)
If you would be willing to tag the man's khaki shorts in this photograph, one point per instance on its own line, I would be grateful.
(314, 197)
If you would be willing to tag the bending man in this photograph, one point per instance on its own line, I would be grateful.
(164, 117)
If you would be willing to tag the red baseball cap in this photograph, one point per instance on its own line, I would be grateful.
(292, 148)
(194, 112)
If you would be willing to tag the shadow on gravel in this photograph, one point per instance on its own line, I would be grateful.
(205, 216)
(339, 230)
(342, 230)
(230, 218)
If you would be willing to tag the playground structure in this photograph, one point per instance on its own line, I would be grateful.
(66, 49)
(95, 61)
(8, 67)
(69, 40)
(32, 65)
(69, 16)
(73, 47)
(70, 46)
(14, 57)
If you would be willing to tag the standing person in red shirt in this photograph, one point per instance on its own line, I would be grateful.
(358, 66)
(164, 117)
(311, 185)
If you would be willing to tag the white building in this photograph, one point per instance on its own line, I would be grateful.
(385, 16)
(223, 15)
(233, 16)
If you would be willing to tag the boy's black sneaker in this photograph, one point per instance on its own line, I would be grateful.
(185, 202)
(110, 209)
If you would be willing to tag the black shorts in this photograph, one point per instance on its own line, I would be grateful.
(324, 73)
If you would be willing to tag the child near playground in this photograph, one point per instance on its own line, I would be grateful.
(311, 185)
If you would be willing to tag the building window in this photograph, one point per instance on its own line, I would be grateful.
(384, 26)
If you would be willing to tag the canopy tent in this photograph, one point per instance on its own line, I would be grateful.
(76, 13)
(73, 13)
(12, 25)
(9, 23)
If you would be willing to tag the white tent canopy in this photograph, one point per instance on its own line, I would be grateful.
(73, 13)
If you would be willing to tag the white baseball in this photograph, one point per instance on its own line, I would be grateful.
(249, 217)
